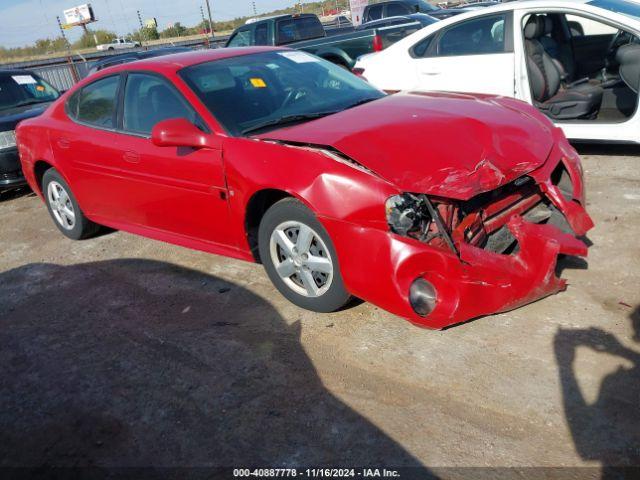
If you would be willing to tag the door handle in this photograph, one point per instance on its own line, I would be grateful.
(64, 142)
(131, 157)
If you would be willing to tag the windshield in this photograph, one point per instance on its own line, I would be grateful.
(24, 89)
(631, 9)
(273, 88)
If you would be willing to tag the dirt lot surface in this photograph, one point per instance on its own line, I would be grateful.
(123, 351)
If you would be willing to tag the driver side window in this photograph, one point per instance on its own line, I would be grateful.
(241, 39)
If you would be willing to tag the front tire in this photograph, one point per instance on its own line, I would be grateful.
(64, 209)
(300, 258)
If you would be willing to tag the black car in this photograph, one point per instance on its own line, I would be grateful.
(421, 18)
(112, 60)
(23, 94)
(394, 8)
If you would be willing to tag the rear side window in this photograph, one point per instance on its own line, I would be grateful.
(375, 13)
(422, 47)
(473, 37)
(261, 34)
(148, 100)
(297, 29)
(396, 9)
(96, 103)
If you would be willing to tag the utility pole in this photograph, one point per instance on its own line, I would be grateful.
(142, 35)
(66, 42)
(210, 19)
(204, 20)
(255, 12)
(74, 72)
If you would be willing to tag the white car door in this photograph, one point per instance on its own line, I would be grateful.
(474, 55)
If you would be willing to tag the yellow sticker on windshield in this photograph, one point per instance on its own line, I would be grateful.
(258, 83)
(40, 88)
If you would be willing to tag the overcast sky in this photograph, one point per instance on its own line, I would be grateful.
(24, 21)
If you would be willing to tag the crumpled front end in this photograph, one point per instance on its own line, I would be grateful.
(501, 253)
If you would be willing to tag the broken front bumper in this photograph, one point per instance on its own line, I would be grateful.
(380, 267)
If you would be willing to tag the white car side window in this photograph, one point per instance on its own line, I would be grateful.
(477, 36)
(582, 26)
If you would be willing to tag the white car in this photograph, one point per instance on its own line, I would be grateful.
(577, 61)
(117, 44)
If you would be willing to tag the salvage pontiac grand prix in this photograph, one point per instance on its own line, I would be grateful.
(436, 207)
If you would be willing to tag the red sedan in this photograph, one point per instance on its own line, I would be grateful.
(436, 207)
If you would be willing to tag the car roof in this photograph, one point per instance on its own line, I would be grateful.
(393, 1)
(142, 54)
(515, 5)
(253, 21)
(409, 17)
(177, 61)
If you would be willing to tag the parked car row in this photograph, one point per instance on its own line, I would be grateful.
(277, 156)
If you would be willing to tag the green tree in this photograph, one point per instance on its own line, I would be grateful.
(88, 39)
(144, 34)
(177, 30)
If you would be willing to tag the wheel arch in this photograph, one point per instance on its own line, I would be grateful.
(257, 206)
(39, 169)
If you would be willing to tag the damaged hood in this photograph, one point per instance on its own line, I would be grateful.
(449, 145)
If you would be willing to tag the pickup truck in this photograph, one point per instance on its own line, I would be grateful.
(393, 8)
(341, 46)
(117, 44)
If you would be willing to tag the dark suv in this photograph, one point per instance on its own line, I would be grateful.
(23, 94)
(395, 8)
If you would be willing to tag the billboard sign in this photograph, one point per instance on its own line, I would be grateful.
(79, 15)
(151, 23)
(357, 9)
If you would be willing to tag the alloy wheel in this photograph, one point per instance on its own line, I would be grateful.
(61, 205)
(301, 258)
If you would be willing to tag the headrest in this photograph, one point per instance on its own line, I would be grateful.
(534, 27)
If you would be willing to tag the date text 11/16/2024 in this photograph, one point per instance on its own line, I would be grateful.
(316, 472)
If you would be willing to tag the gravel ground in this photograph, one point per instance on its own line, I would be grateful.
(123, 351)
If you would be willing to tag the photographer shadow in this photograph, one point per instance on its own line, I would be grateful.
(607, 430)
(142, 363)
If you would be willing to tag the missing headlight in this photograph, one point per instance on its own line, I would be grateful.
(408, 215)
(413, 215)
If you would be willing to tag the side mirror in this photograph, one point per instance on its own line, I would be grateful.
(179, 132)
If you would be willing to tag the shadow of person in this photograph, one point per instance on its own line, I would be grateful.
(607, 430)
(144, 363)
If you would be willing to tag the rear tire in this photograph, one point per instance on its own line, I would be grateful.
(64, 209)
(300, 258)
